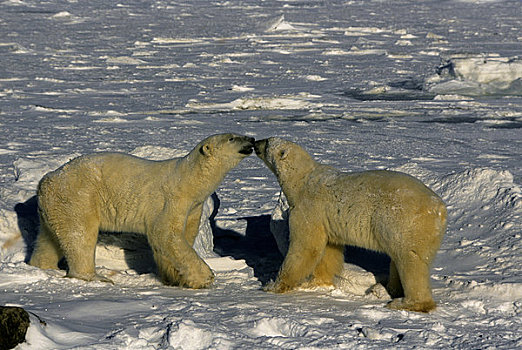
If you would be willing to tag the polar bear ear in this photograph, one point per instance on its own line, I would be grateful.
(205, 150)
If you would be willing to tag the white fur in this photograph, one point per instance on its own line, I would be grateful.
(385, 211)
(120, 192)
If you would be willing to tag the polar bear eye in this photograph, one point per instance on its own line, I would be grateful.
(231, 139)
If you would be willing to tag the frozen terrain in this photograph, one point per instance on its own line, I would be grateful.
(431, 88)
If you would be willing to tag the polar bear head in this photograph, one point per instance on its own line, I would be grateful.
(284, 158)
(229, 149)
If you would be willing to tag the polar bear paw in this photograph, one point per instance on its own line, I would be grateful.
(91, 277)
(409, 305)
(277, 287)
(195, 275)
(198, 279)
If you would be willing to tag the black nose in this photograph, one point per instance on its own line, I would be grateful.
(247, 149)
(260, 146)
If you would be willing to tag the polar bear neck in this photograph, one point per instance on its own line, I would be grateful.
(204, 174)
(293, 179)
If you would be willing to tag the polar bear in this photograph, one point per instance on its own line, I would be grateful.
(123, 193)
(385, 211)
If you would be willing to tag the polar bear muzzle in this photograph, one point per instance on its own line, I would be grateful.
(260, 147)
(248, 146)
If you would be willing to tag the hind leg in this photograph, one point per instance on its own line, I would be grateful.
(47, 252)
(418, 249)
(78, 239)
(415, 279)
(79, 251)
(394, 286)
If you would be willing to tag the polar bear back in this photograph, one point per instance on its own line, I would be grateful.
(358, 207)
(108, 181)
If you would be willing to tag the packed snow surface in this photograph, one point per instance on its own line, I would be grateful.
(431, 88)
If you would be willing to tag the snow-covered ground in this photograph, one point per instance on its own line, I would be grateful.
(432, 88)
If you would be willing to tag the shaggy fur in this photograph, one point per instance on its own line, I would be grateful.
(120, 192)
(385, 211)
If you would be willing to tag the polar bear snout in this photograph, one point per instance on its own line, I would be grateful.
(263, 149)
(260, 147)
(248, 145)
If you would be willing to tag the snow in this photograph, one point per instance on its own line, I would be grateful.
(429, 88)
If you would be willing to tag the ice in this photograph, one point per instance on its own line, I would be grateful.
(301, 101)
(124, 60)
(478, 75)
(279, 224)
(430, 88)
(158, 152)
(279, 24)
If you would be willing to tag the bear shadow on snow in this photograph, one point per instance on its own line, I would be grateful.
(257, 247)
(28, 222)
(374, 262)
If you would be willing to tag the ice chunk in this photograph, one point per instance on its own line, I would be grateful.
(478, 75)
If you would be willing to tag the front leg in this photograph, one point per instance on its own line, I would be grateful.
(177, 261)
(307, 245)
(192, 225)
(330, 266)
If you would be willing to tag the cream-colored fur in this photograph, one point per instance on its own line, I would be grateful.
(120, 192)
(385, 211)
